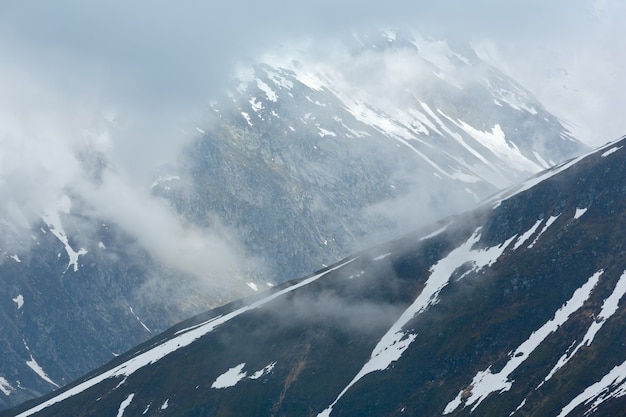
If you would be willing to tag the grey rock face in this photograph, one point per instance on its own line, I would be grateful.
(512, 307)
(306, 161)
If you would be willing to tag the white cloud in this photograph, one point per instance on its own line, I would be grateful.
(575, 70)
(126, 79)
(51, 142)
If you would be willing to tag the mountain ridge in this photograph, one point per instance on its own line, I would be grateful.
(512, 308)
(325, 164)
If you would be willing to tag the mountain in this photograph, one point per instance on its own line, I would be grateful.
(513, 308)
(308, 159)
(350, 143)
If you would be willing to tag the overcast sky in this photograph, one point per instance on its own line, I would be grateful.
(150, 67)
(568, 52)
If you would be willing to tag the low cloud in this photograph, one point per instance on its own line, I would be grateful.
(76, 142)
(123, 83)
(213, 255)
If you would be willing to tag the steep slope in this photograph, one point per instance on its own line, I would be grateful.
(383, 132)
(307, 160)
(68, 306)
(514, 308)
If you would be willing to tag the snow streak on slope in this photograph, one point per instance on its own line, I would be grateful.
(32, 364)
(235, 374)
(526, 235)
(181, 339)
(609, 307)
(610, 151)
(264, 371)
(435, 233)
(612, 385)
(53, 221)
(579, 213)
(551, 220)
(496, 142)
(124, 404)
(411, 104)
(486, 382)
(5, 387)
(393, 344)
(19, 300)
(526, 185)
(230, 378)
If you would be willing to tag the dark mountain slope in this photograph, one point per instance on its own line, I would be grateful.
(511, 309)
(305, 161)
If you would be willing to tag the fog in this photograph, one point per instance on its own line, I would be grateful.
(124, 83)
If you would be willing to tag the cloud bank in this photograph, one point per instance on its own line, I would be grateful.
(126, 80)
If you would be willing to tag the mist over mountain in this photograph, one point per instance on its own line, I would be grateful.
(356, 143)
(311, 156)
(513, 308)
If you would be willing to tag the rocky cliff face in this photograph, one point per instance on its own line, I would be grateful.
(514, 308)
(307, 160)
(384, 135)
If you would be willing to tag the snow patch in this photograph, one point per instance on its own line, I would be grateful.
(247, 117)
(253, 286)
(609, 307)
(139, 320)
(316, 102)
(124, 404)
(496, 142)
(19, 300)
(517, 100)
(496, 178)
(537, 179)
(32, 364)
(181, 339)
(256, 105)
(310, 81)
(16, 258)
(519, 407)
(439, 53)
(486, 382)
(230, 378)
(165, 404)
(53, 220)
(527, 235)
(395, 342)
(269, 93)
(473, 194)
(323, 132)
(551, 220)
(280, 81)
(165, 179)
(5, 387)
(435, 233)
(579, 213)
(517, 189)
(264, 371)
(612, 385)
(383, 256)
(610, 151)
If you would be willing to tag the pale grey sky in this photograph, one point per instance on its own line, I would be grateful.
(567, 52)
(122, 77)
